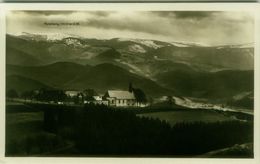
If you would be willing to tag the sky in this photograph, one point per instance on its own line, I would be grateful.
(204, 27)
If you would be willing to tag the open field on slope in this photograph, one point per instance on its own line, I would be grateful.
(173, 117)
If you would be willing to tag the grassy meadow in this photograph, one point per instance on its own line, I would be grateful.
(173, 117)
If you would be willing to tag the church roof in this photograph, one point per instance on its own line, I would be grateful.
(119, 94)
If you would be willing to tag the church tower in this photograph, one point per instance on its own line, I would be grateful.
(130, 88)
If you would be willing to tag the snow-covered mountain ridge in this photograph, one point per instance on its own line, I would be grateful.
(155, 44)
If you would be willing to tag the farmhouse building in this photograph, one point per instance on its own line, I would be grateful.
(72, 93)
(96, 100)
(120, 98)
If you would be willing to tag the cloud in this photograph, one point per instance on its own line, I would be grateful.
(137, 22)
(209, 27)
(185, 14)
(62, 12)
(194, 14)
(45, 12)
(101, 13)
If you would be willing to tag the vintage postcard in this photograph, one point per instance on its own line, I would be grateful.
(127, 81)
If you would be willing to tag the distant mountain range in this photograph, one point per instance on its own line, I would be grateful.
(136, 55)
(159, 68)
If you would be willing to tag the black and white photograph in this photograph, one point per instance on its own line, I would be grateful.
(129, 83)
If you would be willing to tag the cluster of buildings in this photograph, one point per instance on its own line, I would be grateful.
(114, 98)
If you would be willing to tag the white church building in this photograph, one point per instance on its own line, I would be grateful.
(120, 98)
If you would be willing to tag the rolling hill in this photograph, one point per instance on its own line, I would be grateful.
(21, 84)
(55, 75)
(18, 57)
(74, 76)
(210, 59)
(217, 85)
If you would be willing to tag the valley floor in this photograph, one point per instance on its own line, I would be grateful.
(189, 103)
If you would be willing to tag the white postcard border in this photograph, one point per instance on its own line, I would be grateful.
(254, 7)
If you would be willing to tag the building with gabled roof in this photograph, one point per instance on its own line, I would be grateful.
(120, 98)
(96, 100)
(72, 93)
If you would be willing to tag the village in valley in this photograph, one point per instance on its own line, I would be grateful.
(133, 97)
(114, 98)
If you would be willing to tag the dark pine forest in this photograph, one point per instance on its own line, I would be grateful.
(97, 130)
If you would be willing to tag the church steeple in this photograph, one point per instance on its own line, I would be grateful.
(130, 88)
